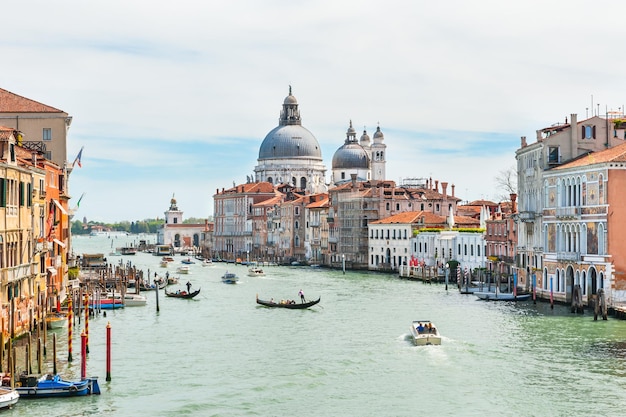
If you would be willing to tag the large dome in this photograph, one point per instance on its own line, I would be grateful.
(290, 141)
(351, 155)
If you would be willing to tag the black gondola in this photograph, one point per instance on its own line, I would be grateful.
(293, 305)
(182, 294)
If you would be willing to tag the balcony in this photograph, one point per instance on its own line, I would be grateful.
(527, 216)
(568, 212)
(568, 256)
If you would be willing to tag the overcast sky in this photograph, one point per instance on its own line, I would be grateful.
(175, 98)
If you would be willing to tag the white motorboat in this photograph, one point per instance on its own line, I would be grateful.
(424, 333)
(130, 299)
(56, 321)
(501, 296)
(256, 271)
(207, 262)
(164, 264)
(8, 397)
(183, 269)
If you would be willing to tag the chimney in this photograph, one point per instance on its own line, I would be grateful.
(513, 203)
(437, 185)
(574, 134)
(452, 190)
(444, 189)
(524, 144)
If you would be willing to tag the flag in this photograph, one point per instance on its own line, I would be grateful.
(78, 202)
(78, 157)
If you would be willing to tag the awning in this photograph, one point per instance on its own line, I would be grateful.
(58, 242)
(52, 271)
(56, 203)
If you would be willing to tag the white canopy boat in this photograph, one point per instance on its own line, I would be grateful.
(501, 296)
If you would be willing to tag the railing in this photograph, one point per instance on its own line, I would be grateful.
(568, 256)
(527, 216)
(568, 212)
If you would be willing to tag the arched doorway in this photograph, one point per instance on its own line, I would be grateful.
(593, 281)
(569, 283)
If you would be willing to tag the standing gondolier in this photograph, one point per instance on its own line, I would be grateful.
(301, 294)
(188, 286)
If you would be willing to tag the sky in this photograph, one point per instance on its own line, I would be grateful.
(175, 98)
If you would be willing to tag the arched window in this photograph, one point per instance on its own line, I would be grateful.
(303, 183)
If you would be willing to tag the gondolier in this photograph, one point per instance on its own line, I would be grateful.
(301, 294)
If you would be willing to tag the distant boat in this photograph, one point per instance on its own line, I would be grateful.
(230, 278)
(501, 296)
(256, 271)
(207, 262)
(290, 304)
(183, 269)
(127, 250)
(182, 294)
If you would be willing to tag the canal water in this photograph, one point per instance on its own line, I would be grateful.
(221, 354)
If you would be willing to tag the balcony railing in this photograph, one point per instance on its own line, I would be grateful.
(568, 212)
(527, 216)
(568, 256)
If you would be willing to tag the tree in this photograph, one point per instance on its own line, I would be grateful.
(506, 183)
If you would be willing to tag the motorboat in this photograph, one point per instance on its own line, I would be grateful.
(130, 299)
(183, 269)
(56, 321)
(8, 397)
(207, 262)
(501, 296)
(256, 271)
(54, 386)
(230, 278)
(424, 332)
(187, 261)
(164, 264)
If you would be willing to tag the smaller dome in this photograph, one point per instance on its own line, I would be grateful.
(351, 156)
(365, 139)
(378, 134)
(290, 100)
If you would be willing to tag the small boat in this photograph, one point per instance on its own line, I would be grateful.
(187, 261)
(56, 321)
(130, 299)
(53, 386)
(106, 303)
(182, 294)
(8, 397)
(207, 262)
(183, 269)
(424, 333)
(230, 278)
(172, 280)
(167, 259)
(291, 304)
(256, 271)
(127, 250)
(501, 296)
(162, 283)
(164, 264)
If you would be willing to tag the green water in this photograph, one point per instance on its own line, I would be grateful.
(222, 355)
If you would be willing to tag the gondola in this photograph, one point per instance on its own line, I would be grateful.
(296, 305)
(182, 294)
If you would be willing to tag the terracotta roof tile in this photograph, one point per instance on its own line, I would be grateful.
(13, 103)
(614, 154)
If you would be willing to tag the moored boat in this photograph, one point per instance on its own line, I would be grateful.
(54, 386)
(56, 321)
(230, 278)
(8, 397)
(424, 332)
(501, 296)
(108, 303)
(290, 304)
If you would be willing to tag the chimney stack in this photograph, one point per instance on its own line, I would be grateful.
(513, 203)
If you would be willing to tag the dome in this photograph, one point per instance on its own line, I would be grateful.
(378, 135)
(290, 100)
(351, 156)
(365, 139)
(290, 141)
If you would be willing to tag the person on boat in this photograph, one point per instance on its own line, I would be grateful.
(301, 294)
(420, 328)
(188, 286)
(429, 327)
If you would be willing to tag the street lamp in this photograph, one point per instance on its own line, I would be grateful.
(343, 263)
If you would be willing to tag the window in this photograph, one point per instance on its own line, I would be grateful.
(588, 132)
(47, 133)
(554, 156)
